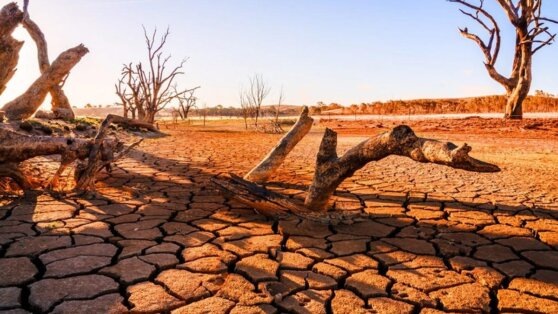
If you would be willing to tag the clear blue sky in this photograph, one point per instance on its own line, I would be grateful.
(348, 51)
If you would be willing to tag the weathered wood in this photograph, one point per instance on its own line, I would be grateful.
(265, 202)
(99, 153)
(11, 170)
(10, 17)
(17, 147)
(332, 170)
(26, 104)
(85, 174)
(277, 155)
(272, 204)
(127, 122)
(60, 103)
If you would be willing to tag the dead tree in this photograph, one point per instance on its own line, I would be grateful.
(254, 95)
(10, 18)
(60, 103)
(186, 101)
(26, 104)
(129, 90)
(93, 155)
(150, 87)
(532, 34)
(246, 108)
(331, 170)
(52, 75)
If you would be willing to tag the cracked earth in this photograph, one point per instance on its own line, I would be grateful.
(160, 238)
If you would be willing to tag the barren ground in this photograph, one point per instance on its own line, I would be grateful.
(161, 238)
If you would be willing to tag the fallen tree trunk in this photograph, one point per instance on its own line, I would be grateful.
(332, 170)
(272, 204)
(277, 155)
(10, 17)
(60, 103)
(267, 203)
(127, 122)
(18, 147)
(26, 104)
(99, 153)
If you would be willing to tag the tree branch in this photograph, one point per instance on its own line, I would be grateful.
(25, 105)
(332, 170)
(277, 155)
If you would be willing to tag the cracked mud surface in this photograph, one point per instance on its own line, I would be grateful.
(161, 238)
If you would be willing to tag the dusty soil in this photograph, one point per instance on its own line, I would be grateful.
(160, 238)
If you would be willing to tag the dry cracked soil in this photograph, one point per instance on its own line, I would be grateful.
(160, 238)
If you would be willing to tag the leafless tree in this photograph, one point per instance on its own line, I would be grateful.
(532, 34)
(246, 108)
(254, 95)
(129, 91)
(278, 107)
(151, 86)
(186, 101)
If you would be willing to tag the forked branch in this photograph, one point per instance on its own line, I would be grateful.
(26, 104)
(332, 170)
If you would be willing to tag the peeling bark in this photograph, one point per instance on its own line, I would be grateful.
(26, 104)
(10, 17)
(332, 170)
(277, 155)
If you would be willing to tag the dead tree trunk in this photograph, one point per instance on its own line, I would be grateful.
(276, 156)
(10, 17)
(60, 103)
(25, 105)
(100, 153)
(532, 34)
(332, 170)
(123, 121)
